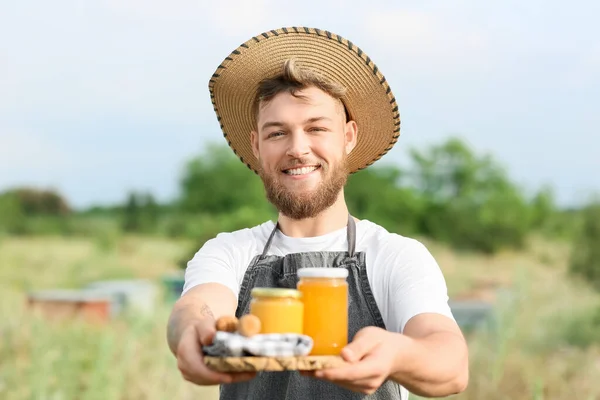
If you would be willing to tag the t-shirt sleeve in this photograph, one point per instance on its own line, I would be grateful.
(219, 260)
(416, 284)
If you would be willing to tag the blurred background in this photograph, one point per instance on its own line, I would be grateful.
(114, 172)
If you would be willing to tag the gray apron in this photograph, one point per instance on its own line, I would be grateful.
(275, 271)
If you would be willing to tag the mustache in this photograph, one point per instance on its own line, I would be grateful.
(299, 161)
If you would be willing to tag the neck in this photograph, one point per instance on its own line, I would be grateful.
(329, 220)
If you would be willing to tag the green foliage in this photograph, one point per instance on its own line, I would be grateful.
(42, 202)
(217, 182)
(447, 192)
(581, 328)
(585, 256)
(140, 213)
(469, 201)
(131, 214)
(12, 216)
(543, 208)
(28, 210)
(376, 194)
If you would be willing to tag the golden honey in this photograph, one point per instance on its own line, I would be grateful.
(325, 297)
(279, 310)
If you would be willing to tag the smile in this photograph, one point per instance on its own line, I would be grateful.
(301, 170)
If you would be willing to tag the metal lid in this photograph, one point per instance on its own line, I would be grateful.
(275, 292)
(322, 273)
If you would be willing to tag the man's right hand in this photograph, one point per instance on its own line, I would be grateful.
(190, 360)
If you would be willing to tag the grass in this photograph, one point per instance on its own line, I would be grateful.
(125, 359)
(533, 349)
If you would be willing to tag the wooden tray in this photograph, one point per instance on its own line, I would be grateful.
(253, 363)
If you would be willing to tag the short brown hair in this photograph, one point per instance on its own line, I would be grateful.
(292, 79)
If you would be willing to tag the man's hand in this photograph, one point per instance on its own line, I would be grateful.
(430, 358)
(190, 360)
(371, 357)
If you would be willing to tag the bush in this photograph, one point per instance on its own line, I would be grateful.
(581, 329)
(378, 194)
(585, 256)
(12, 217)
(469, 201)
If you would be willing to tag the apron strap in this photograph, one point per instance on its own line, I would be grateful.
(268, 245)
(350, 235)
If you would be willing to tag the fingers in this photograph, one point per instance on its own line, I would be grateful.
(366, 369)
(367, 388)
(191, 362)
(364, 376)
(242, 376)
(367, 380)
(362, 345)
(206, 332)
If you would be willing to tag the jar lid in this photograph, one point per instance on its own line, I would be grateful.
(275, 292)
(322, 273)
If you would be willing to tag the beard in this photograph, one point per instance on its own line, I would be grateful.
(299, 204)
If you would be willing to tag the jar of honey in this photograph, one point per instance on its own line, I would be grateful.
(325, 297)
(279, 310)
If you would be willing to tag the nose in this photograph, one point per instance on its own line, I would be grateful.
(299, 144)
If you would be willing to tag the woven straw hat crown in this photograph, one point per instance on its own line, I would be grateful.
(368, 99)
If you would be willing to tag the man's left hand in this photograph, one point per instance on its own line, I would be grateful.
(370, 357)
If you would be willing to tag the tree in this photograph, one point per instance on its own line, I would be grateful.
(132, 214)
(376, 194)
(35, 202)
(217, 182)
(585, 256)
(469, 200)
(543, 207)
(12, 217)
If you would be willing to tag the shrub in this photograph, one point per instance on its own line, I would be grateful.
(585, 256)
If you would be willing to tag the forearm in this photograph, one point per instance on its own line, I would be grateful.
(206, 301)
(435, 365)
(185, 313)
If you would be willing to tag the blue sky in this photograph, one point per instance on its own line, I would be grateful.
(100, 97)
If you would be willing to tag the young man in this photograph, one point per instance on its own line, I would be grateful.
(304, 108)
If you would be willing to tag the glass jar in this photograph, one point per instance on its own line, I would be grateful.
(279, 310)
(325, 297)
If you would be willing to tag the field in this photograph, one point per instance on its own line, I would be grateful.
(521, 354)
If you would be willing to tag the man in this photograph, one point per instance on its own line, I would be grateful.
(304, 108)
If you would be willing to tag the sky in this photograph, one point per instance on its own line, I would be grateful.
(101, 97)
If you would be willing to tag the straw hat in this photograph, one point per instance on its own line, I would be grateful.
(368, 100)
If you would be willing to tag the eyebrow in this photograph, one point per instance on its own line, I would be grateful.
(271, 124)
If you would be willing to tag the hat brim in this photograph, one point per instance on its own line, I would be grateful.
(369, 99)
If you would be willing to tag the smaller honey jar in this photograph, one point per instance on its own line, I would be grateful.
(279, 310)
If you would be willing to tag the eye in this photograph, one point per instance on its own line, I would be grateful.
(275, 134)
(317, 129)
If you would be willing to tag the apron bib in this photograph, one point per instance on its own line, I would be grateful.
(281, 272)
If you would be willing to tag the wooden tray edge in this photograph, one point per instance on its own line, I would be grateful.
(245, 364)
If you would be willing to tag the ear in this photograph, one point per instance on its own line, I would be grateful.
(254, 142)
(351, 136)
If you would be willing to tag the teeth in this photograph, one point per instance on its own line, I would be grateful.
(300, 171)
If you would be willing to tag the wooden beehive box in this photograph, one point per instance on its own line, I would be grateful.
(70, 304)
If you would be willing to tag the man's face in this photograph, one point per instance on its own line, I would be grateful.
(302, 146)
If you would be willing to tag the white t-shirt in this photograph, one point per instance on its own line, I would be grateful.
(404, 277)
